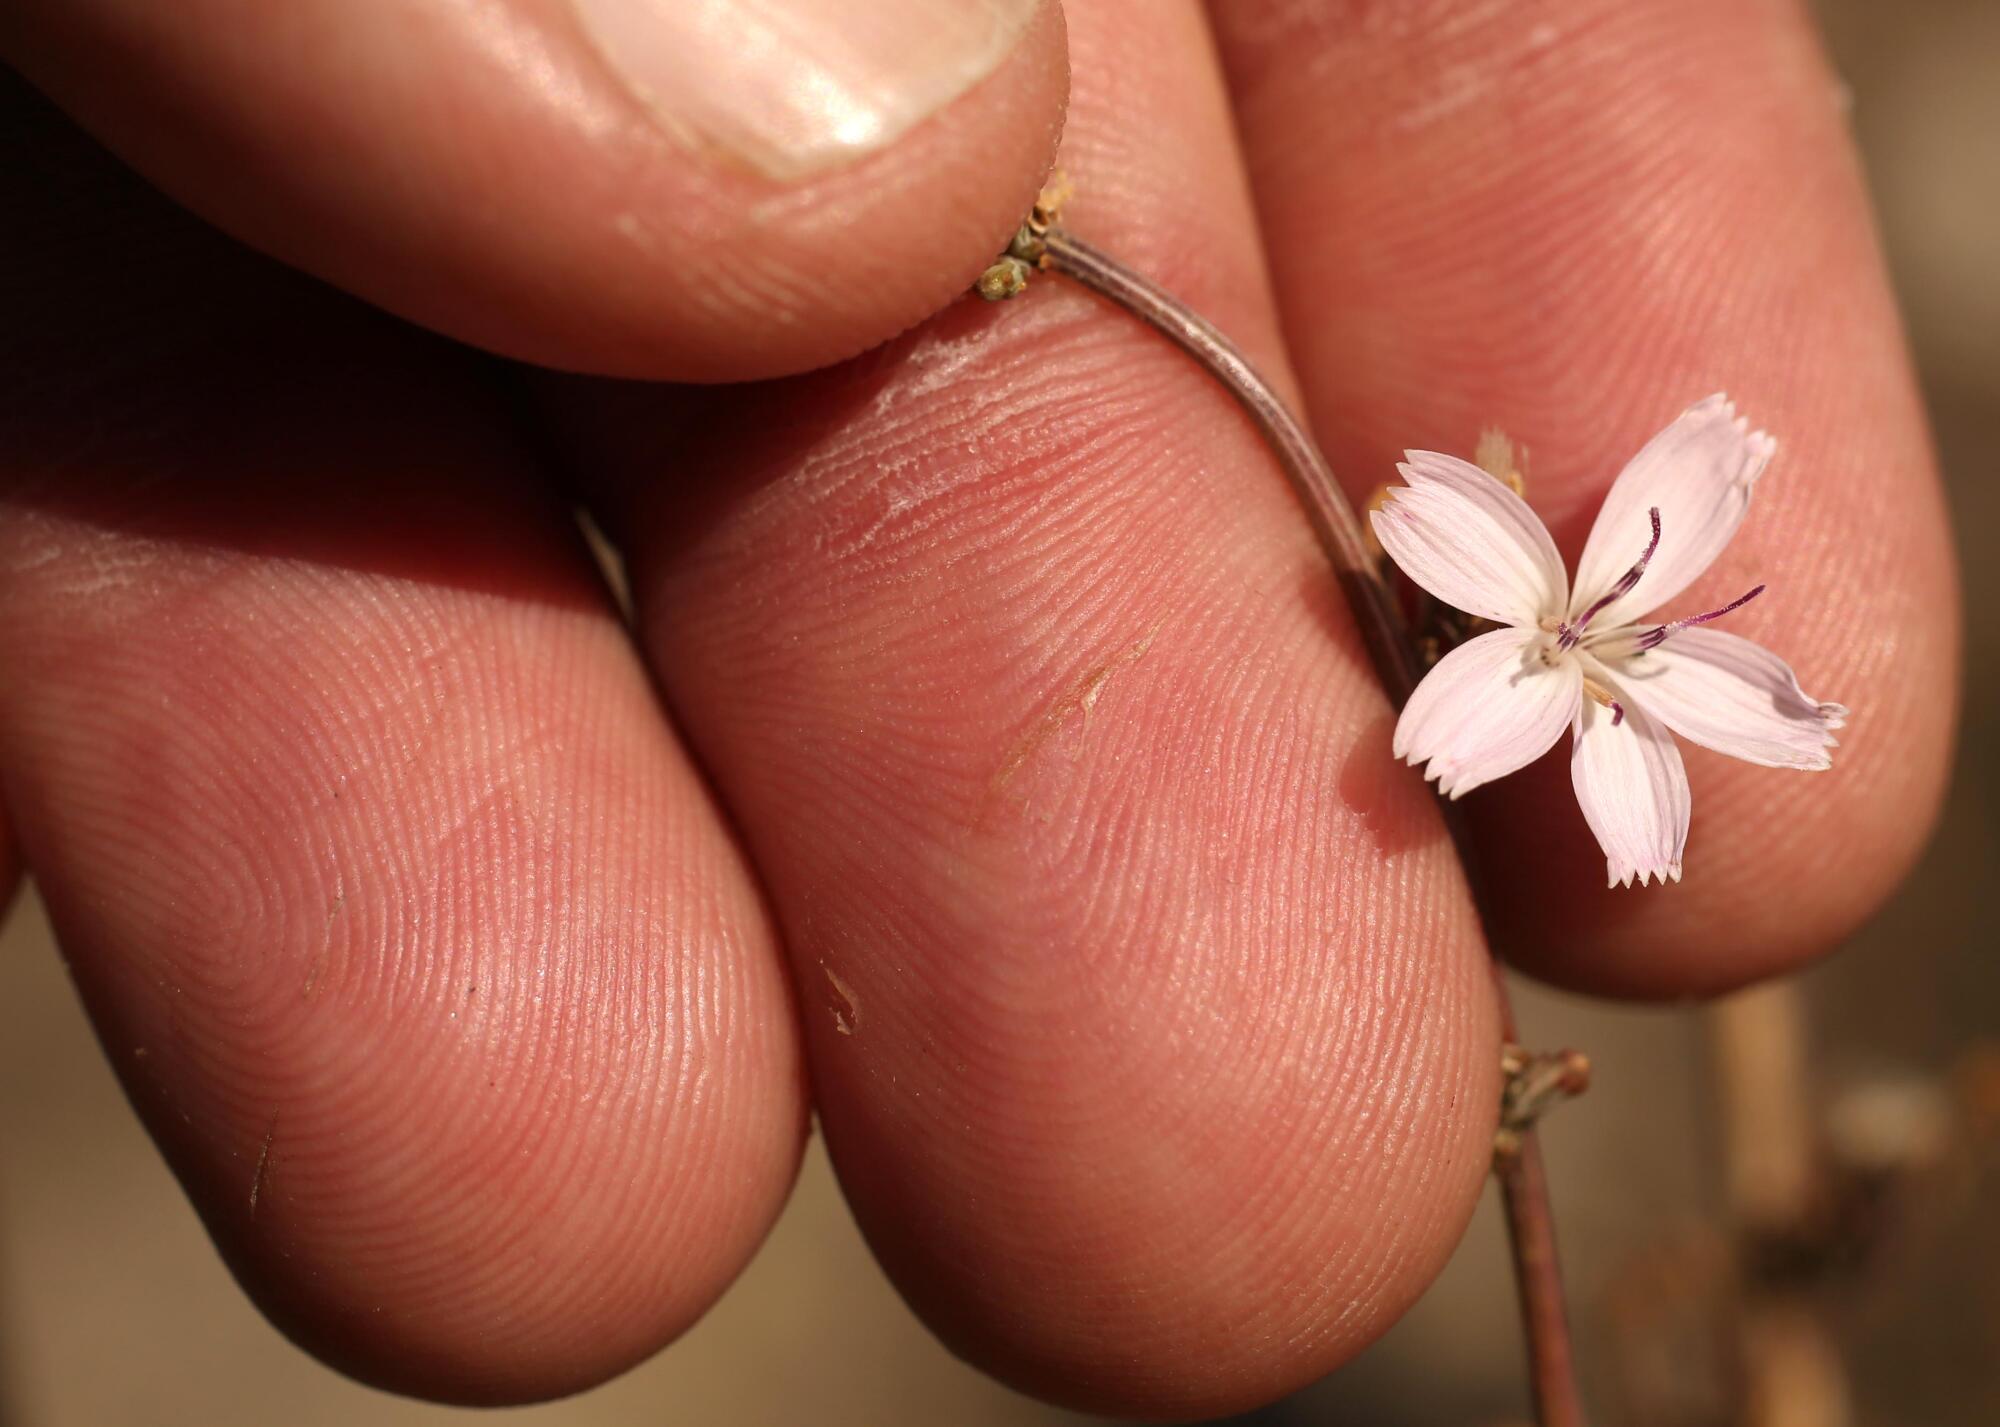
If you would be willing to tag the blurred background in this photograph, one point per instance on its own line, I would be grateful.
(1784, 1212)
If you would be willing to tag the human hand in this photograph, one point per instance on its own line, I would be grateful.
(988, 690)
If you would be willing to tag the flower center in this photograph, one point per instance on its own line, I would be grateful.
(1553, 652)
(1565, 635)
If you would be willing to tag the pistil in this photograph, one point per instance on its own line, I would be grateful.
(1654, 638)
(1571, 633)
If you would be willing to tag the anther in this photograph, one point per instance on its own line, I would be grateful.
(1598, 694)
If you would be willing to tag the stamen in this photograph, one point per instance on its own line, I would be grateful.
(1598, 694)
(1573, 632)
(1654, 638)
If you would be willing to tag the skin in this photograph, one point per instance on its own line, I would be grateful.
(989, 749)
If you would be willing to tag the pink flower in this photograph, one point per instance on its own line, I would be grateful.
(1586, 661)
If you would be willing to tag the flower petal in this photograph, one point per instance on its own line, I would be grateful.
(1698, 473)
(1471, 541)
(1734, 696)
(1632, 788)
(1491, 706)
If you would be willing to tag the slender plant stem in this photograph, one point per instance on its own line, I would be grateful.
(1523, 1185)
(1531, 1235)
(1326, 507)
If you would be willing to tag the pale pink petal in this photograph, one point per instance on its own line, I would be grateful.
(1471, 541)
(1632, 788)
(1490, 707)
(1734, 696)
(1698, 473)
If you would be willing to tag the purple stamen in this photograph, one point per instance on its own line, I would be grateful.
(1654, 638)
(1570, 633)
(1617, 713)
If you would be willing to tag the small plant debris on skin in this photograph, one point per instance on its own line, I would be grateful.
(1008, 276)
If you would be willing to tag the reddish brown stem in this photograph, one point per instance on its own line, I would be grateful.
(1332, 518)
(1531, 1234)
(1524, 1189)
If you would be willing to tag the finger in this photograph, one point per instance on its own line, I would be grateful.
(1149, 1027)
(1571, 219)
(706, 192)
(407, 925)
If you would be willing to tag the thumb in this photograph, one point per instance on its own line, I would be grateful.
(697, 190)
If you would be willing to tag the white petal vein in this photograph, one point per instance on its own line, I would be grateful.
(1699, 473)
(1632, 787)
(1471, 541)
(1489, 708)
(1734, 696)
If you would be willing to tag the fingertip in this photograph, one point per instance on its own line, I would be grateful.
(401, 912)
(493, 174)
(1661, 207)
(503, 1242)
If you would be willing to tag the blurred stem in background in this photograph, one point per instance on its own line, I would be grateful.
(1777, 1195)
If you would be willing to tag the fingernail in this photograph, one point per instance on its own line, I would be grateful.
(794, 87)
